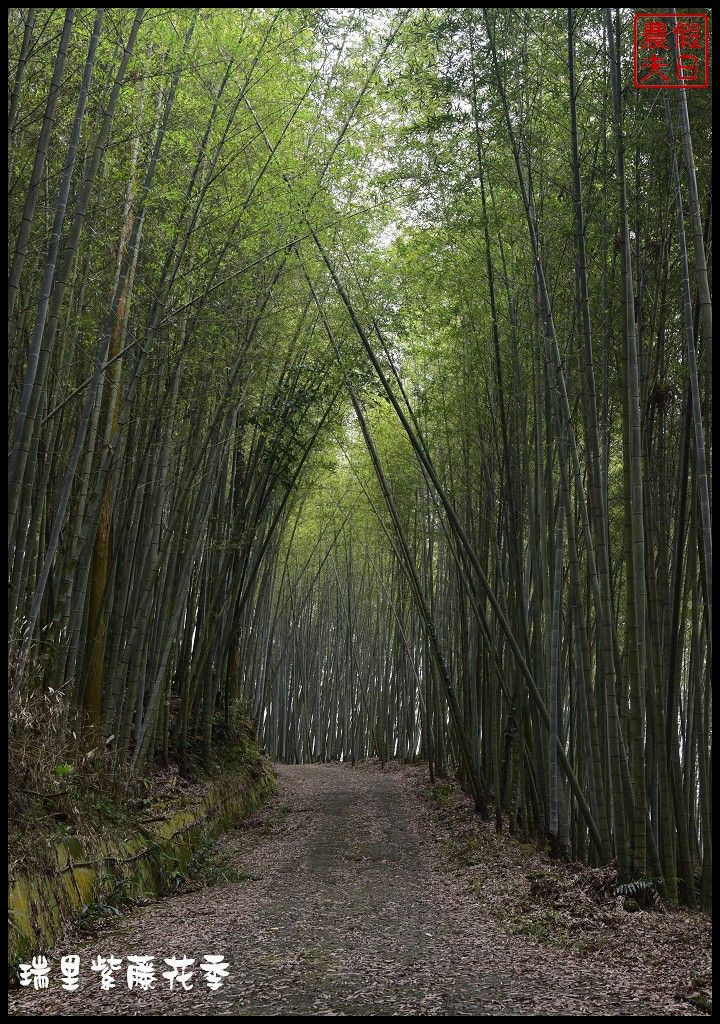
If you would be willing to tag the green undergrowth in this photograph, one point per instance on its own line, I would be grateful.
(210, 865)
(124, 853)
(69, 793)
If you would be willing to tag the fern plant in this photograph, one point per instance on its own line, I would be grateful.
(641, 886)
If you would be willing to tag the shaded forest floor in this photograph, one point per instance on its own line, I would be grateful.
(356, 892)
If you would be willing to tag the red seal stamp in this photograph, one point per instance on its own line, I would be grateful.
(670, 51)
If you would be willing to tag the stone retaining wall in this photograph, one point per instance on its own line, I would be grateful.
(138, 862)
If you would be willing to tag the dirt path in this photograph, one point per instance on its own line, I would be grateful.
(346, 911)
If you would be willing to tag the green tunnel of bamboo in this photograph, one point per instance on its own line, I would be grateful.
(359, 385)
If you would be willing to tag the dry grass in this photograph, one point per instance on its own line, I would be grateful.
(60, 784)
(56, 784)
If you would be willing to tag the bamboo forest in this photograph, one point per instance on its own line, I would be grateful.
(359, 513)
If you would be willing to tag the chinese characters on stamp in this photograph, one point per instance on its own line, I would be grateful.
(670, 51)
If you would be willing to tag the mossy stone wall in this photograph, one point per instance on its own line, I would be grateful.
(140, 861)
